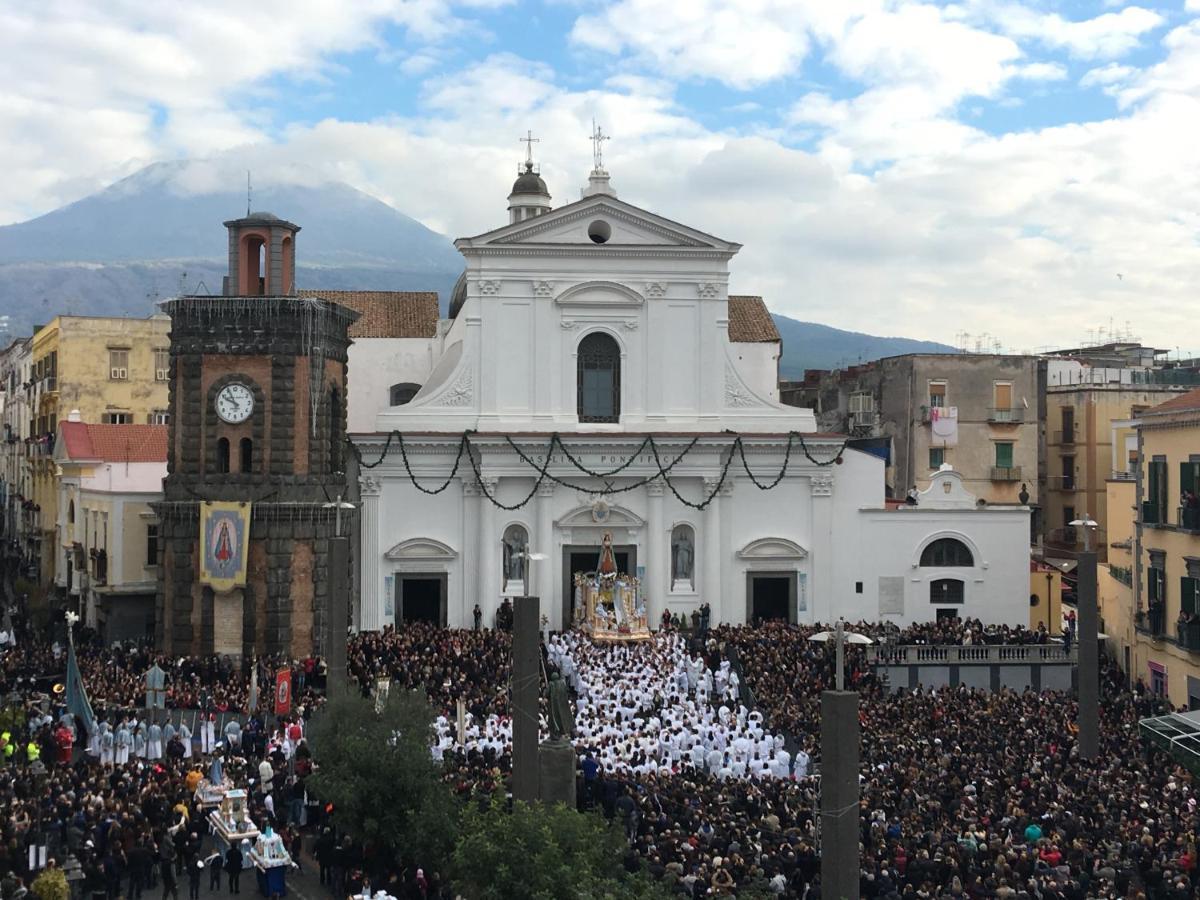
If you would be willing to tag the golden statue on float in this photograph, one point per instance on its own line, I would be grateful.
(608, 603)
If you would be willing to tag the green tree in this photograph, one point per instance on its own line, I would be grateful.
(51, 885)
(543, 853)
(377, 771)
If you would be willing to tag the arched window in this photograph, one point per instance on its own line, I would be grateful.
(246, 455)
(335, 432)
(399, 394)
(599, 379)
(947, 552)
(945, 590)
(223, 455)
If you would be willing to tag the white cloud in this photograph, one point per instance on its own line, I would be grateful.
(743, 43)
(1042, 71)
(1113, 73)
(1106, 36)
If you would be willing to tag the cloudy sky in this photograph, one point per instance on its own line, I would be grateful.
(1029, 170)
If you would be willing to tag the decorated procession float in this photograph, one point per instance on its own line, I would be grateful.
(609, 606)
(270, 857)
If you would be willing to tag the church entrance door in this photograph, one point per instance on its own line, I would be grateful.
(583, 558)
(771, 595)
(421, 598)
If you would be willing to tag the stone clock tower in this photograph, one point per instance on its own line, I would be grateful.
(258, 416)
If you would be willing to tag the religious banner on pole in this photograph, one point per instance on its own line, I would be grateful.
(156, 688)
(252, 702)
(283, 692)
(224, 544)
(77, 698)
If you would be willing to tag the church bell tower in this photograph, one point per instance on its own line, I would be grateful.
(257, 404)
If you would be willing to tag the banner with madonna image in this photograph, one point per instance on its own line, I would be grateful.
(224, 544)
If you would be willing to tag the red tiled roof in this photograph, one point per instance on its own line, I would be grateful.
(387, 314)
(1189, 402)
(115, 443)
(750, 322)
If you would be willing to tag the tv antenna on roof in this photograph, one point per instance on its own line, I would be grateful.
(248, 193)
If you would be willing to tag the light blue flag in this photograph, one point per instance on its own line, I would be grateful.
(77, 698)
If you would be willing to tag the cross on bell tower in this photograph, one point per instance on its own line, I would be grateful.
(529, 140)
(598, 139)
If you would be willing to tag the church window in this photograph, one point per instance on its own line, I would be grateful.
(599, 231)
(246, 455)
(946, 590)
(222, 455)
(599, 379)
(399, 394)
(947, 552)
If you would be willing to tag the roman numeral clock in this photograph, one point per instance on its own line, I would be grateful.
(258, 419)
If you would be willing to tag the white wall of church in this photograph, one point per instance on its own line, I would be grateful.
(375, 364)
(758, 364)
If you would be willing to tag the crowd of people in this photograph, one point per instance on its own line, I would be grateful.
(704, 748)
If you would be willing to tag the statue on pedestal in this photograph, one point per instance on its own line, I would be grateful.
(562, 720)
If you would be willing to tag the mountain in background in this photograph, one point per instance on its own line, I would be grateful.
(120, 250)
(807, 345)
(116, 252)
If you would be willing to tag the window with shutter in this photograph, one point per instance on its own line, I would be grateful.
(1188, 594)
(1004, 454)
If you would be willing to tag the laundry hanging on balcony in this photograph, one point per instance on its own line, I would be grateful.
(944, 422)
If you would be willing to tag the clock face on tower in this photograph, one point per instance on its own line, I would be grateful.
(235, 403)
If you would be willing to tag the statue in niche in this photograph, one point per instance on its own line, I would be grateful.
(683, 555)
(515, 544)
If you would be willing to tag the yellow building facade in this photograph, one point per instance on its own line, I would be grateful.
(1150, 594)
(1081, 456)
(113, 371)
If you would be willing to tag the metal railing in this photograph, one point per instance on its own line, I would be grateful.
(1013, 415)
(981, 654)
(1188, 517)
(1119, 475)
(1064, 437)
(1006, 473)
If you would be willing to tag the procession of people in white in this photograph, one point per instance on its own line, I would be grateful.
(648, 707)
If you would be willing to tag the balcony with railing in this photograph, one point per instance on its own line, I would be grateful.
(1188, 518)
(1151, 513)
(1064, 438)
(1006, 473)
(1123, 574)
(975, 654)
(1120, 475)
(1152, 622)
(1013, 415)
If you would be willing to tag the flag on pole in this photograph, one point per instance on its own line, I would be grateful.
(283, 692)
(77, 698)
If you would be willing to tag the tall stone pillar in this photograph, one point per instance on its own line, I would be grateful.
(711, 592)
(371, 602)
(525, 689)
(839, 795)
(658, 562)
(539, 575)
(1089, 662)
(487, 542)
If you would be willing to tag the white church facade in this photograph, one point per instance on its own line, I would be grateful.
(596, 377)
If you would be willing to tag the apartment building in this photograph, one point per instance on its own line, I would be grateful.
(1150, 589)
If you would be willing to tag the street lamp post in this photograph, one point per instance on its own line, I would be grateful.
(1089, 650)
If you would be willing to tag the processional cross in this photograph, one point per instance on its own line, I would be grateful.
(598, 139)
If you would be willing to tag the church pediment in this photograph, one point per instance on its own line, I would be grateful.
(772, 549)
(600, 515)
(596, 221)
(423, 549)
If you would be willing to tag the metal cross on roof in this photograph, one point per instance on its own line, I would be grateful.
(598, 139)
(529, 140)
